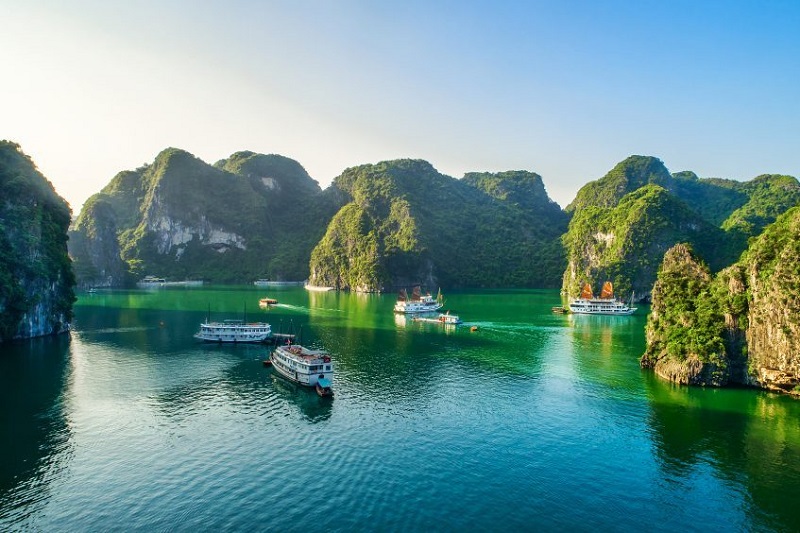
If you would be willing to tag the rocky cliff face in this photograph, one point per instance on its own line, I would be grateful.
(246, 217)
(684, 330)
(742, 326)
(772, 267)
(36, 279)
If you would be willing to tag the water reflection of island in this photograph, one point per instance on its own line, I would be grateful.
(33, 380)
(751, 440)
(312, 406)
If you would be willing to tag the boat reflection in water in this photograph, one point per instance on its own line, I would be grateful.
(312, 407)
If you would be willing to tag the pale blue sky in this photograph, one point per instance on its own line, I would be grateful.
(564, 89)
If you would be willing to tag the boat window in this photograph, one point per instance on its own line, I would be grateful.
(328, 367)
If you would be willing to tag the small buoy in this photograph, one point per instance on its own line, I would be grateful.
(161, 324)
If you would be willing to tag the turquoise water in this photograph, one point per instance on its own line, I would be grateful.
(535, 421)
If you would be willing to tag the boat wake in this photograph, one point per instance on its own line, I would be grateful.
(117, 330)
(291, 307)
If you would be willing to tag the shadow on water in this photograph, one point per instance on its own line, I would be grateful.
(313, 407)
(33, 427)
(750, 438)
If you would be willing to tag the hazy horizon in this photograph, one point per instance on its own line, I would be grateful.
(565, 90)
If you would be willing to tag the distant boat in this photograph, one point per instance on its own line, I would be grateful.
(606, 304)
(317, 288)
(266, 302)
(417, 302)
(151, 280)
(312, 368)
(269, 283)
(234, 331)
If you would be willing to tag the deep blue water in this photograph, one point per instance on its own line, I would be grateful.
(535, 421)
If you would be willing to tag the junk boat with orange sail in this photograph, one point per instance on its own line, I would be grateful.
(606, 304)
(417, 302)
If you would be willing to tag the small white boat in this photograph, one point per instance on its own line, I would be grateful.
(312, 368)
(606, 304)
(443, 318)
(417, 302)
(234, 331)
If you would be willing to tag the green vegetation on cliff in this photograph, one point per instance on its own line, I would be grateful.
(36, 280)
(625, 244)
(716, 216)
(685, 326)
(405, 224)
(248, 216)
(627, 176)
(772, 267)
(742, 326)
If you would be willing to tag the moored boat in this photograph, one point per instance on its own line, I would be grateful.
(318, 288)
(606, 304)
(417, 302)
(266, 302)
(270, 283)
(149, 281)
(306, 366)
(234, 331)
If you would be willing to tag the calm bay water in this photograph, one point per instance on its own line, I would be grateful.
(534, 422)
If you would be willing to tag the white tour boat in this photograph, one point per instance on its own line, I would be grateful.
(234, 331)
(417, 303)
(151, 281)
(312, 368)
(606, 304)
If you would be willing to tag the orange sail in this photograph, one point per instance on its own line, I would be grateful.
(586, 292)
(415, 294)
(607, 292)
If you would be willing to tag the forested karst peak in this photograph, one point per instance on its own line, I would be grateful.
(407, 223)
(626, 176)
(36, 278)
(180, 217)
(520, 187)
(620, 243)
(269, 167)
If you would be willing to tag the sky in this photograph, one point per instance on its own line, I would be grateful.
(563, 88)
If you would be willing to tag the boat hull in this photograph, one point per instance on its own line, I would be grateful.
(306, 374)
(596, 306)
(233, 340)
(606, 313)
(234, 331)
(415, 310)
